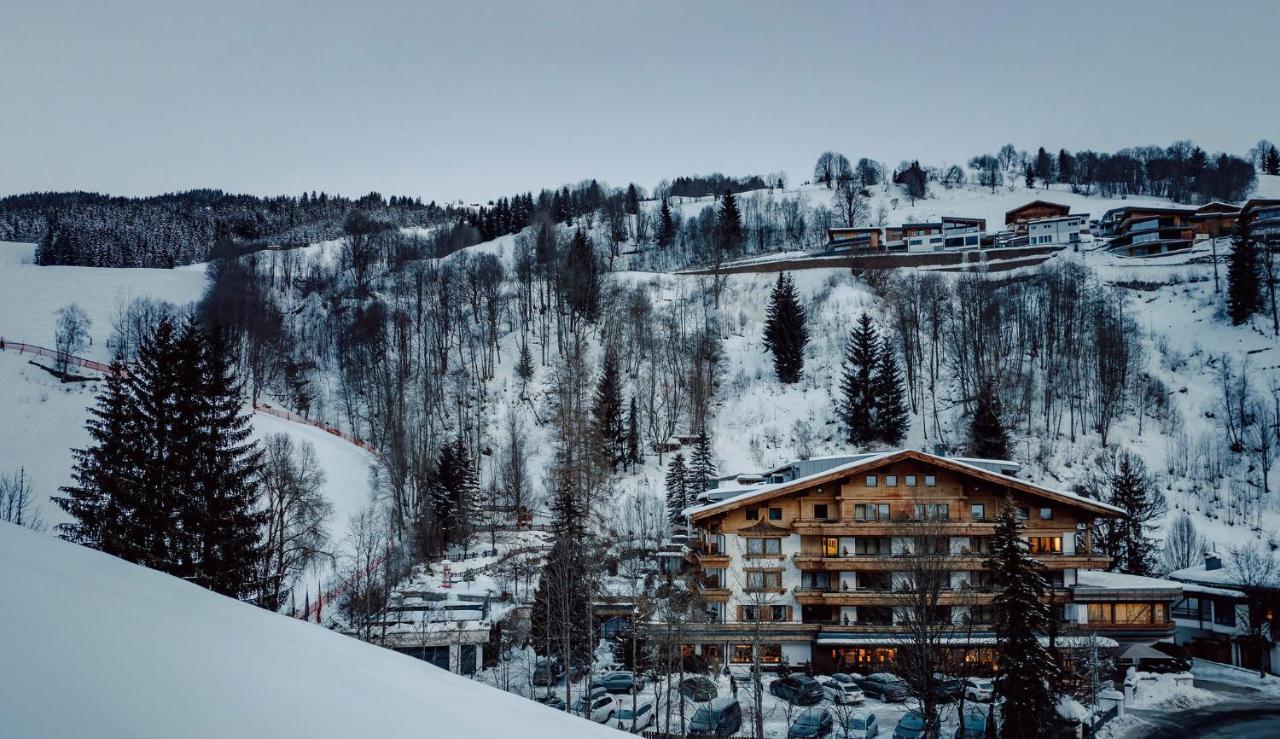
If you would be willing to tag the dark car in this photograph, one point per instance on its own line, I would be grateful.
(1181, 658)
(619, 681)
(947, 689)
(885, 687)
(812, 722)
(552, 700)
(698, 689)
(547, 672)
(910, 726)
(799, 689)
(720, 717)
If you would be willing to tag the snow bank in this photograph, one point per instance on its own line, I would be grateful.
(94, 646)
(1171, 692)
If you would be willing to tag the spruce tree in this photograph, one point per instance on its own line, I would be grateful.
(729, 223)
(100, 502)
(702, 465)
(666, 225)
(633, 435)
(857, 407)
(677, 490)
(164, 468)
(607, 411)
(227, 473)
(582, 277)
(1271, 161)
(1244, 283)
(524, 367)
(889, 396)
(1026, 670)
(987, 436)
(1129, 541)
(785, 332)
(560, 616)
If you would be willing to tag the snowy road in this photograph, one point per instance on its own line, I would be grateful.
(1215, 721)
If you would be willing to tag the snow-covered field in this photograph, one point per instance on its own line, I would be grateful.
(95, 646)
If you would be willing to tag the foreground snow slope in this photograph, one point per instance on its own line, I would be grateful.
(94, 646)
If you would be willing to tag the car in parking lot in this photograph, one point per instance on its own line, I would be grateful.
(547, 671)
(885, 686)
(979, 689)
(974, 726)
(846, 677)
(840, 693)
(946, 688)
(860, 725)
(812, 722)
(799, 689)
(629, 718)
(550, 699)
(698, 689)
(619, 681)
(596, 705)
(910, 726)
(1181, 661)
(720, 717)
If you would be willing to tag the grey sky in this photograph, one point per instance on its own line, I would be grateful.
(473, 100)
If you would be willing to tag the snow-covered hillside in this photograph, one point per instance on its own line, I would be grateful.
(171, 659)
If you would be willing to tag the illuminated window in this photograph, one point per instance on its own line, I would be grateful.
(830, 547)
(1045, 545)
(1133, 613)
(741, 654)
(1099, 613)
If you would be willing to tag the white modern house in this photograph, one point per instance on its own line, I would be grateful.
(1058, 231)
(1212, 618)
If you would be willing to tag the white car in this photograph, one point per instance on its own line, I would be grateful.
(598, 708)
(841, 693)
(633, 720)
(978, 689)
(861, 725)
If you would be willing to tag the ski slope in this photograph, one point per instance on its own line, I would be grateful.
(172, 659)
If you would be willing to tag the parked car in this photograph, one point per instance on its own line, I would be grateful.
(619, 681)
(846, 677)
(910, 726)
(1181, 658)
(597, 706)
(974, 727)
(861, 725)
(946, 688)
(840, 693)
(885, 686)
(634, 719)
(547, 672)
(799, 689)
(979, 689)
(552, 700)
(698, 689)
(720, 717)
(812, 722)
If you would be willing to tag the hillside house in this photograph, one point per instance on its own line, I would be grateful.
(1212, 618)
(816, 562)
(1143, 231)
(949, 232)
(1265, 213)
(1017, 219)
(1058, 231)
(1215, 220)
(858, 239)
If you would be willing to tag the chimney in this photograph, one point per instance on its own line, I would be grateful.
(1212, 561)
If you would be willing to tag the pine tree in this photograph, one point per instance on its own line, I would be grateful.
(1129, 541)
(582, 277)
(607, 411)
(1244, 283)
(560, 615)
(677, 490)
(785, 332)
(987, 436)
(100, 502)
(857, 408)
(466, 497)
(164, 467)
(1026, 670)
(666, 225)
(889, 396)
(702, 465)
(633, 435)
(1029, 175)
(227, 472)
(729, 223)
(1271, 161)
(1044, 167)
(524, 367)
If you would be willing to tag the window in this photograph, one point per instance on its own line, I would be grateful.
(746, 613)
(1046, 514)
(764, 546)
(1045, 545)
(775, 514)
(770, 654)
(1099, 613)
(1024, 513)
(910, 481)
(780, 613)
(1133, 613)
(741, 654)
(871, 511)
(873, 545)
(820, 510)
(871, 481)
(1224, 613)
(753, 514)
(891, 481)
(830, 546)
(764, 579)
(932, 511)
(930, 481)
(977, 511)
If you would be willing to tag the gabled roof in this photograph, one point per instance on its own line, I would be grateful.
(768, 492)
(1217, 208)
(1010, 214)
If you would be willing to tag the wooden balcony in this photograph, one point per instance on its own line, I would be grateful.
(836, 597)
(893, 527)
(900, 563)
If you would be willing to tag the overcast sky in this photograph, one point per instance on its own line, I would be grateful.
(478, 99)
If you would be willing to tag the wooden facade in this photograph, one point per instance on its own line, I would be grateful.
(1034, 211)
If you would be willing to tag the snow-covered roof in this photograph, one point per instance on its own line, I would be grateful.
(1199, 574)
(764, 492)
(1122, 581)
(1191, 588)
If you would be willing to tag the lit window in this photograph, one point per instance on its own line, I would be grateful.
(1045, 545)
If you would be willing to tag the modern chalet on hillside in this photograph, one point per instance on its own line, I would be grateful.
(1017, 218)
(1144, 231)
(861, 238)
(811, 567)
(1265, 213)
